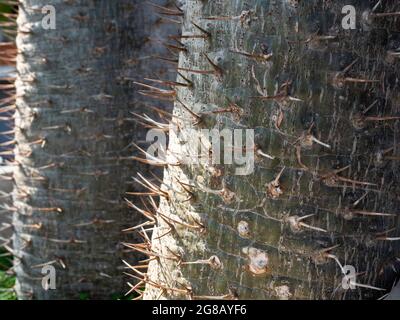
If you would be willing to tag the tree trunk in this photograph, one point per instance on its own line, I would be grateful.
(73, 133)
(323, 196)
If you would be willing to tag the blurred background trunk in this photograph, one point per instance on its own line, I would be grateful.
(73, 135)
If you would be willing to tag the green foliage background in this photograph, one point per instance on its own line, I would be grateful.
(4, 9)
(6, 281)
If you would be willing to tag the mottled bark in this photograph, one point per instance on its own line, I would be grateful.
(320, 100)
(73, 132)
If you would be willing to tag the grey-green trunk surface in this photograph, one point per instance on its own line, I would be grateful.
(297, 77)
(74, 132)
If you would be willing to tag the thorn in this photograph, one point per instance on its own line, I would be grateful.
(168, 83)
(376, 6)
(322, 256)
(36, 226)
(197, 71)
(7, 108)
(307, 140)
(232, 108)
(153, 160)
(382, 236)
(317, 38)
(262, 154)
(207, 34)
(156, 92)
(167, 11)
(139, 226)
(134, 269)
(385, 14)
(320, 142)
(187, 188)
(150, 186)
(359, 80)
(366, 286)
(227, 195)
(189, 36)
(186, 79)
(274, 188)
(8, 100)
(262, 58)
(368, 213)
(94, 222)
(282, 98)
(217, 70)
(296, 224)
(58, 210)
(169, 60)
(243, 18)
(70, 241)
(219, 18)
(213, 261)
(143, 234)
(157, 163)
(332, 179)
(170, 229)
(150, 253)
(44, 264)
(148, 214)
(195, 115)
(6, 86)
(137, 247)
(133, 288)
(370, 107)
(198, 225)
(161, 113)
(138, 285)
(391, 56)
(174, 47)
(168, 20)
(340, 79)
(388, 118)
(7, 153)
(360, 199)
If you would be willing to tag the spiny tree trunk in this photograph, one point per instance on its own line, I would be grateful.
(323, 102)
(73, 134)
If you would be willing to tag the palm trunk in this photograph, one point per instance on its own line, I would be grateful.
(73, 133)
(323, 103)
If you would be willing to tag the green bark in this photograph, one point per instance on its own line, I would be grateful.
(298, 78)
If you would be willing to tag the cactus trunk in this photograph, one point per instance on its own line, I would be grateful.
(323, 197)
(73, 133)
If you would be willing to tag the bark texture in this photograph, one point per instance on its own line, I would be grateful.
(73, 132)
(323, 103)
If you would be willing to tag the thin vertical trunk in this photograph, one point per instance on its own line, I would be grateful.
(73, 133)
(324, 106)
